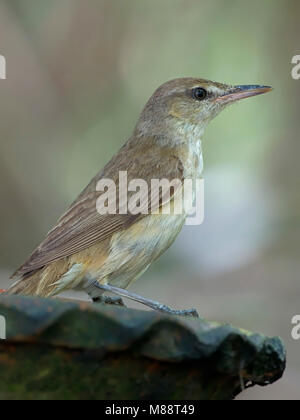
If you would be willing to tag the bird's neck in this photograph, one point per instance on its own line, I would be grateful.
(186, 141)
(181, 137)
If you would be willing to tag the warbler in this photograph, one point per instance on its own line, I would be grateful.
(96, 252)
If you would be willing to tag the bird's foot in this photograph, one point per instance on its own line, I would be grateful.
(109, 300)
(148, 302)
(184, 312)
(190, 312)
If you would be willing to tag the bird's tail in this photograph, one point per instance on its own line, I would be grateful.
(26, 286)
(42, 282)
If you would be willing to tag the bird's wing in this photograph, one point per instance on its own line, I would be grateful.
(82, 226)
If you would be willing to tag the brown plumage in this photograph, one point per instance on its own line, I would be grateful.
(81, 234)
(115, 249)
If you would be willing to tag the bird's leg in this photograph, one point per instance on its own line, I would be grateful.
(97, 296)
(148, 302)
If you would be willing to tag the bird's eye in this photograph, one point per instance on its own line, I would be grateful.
(199, 94)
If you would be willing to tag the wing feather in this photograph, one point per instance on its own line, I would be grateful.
(82, 226)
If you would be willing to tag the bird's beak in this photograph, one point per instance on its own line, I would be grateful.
(241, 92)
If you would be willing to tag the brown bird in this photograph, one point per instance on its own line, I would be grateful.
(97, 252)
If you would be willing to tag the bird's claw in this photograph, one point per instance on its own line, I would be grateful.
(107, 300)
(187, 313)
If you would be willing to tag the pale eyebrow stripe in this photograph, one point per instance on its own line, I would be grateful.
(210, 89)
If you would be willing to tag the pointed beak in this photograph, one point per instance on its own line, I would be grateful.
(241, 92)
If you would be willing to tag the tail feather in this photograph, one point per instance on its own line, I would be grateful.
(41, 282)
(26, 286)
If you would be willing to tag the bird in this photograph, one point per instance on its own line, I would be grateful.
(99, 253)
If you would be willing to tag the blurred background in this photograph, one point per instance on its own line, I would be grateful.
(79, 73)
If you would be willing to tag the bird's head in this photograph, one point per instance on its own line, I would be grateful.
(191, 103)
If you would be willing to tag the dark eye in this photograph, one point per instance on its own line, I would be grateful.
(199, 93)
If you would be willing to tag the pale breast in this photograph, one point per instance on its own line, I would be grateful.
(134, 249)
